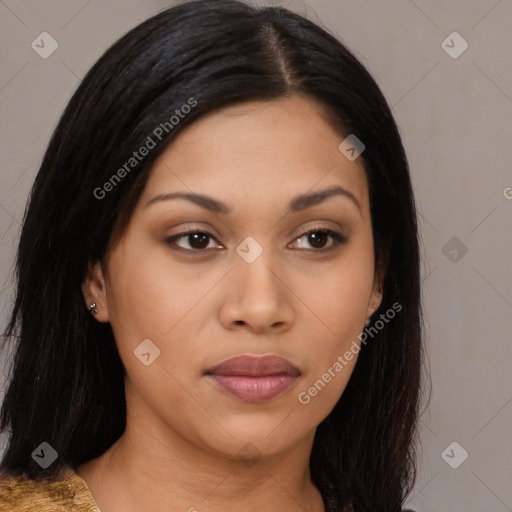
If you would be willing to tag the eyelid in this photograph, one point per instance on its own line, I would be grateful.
(339, 239)
(183, 234)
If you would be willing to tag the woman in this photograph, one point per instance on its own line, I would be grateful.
(218, 280)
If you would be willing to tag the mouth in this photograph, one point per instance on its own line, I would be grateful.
(254, 379)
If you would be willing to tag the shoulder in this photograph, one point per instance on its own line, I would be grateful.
(65, 493)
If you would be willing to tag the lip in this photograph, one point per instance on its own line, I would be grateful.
(254, 379)
(255, 366)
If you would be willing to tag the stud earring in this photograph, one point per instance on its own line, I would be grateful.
(93, 309)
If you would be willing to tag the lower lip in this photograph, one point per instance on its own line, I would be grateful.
(254, 389)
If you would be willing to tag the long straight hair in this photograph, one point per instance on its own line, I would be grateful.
(67, 382)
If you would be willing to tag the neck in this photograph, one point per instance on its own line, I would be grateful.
(160, 470)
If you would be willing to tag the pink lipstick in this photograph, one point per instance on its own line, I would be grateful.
(254, 379)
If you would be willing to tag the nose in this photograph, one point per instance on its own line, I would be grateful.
(259, 297)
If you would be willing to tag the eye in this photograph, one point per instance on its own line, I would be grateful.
(318, 237)
(197, 240)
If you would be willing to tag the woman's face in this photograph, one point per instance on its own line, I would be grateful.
(252, 282)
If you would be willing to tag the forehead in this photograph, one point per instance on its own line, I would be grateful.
(250, 148)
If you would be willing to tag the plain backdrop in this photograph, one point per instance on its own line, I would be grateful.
(454, 108)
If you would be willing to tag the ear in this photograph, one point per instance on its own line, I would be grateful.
(95, 291)
(378, 287)
(375, 299)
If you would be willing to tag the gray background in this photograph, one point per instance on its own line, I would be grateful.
(456, 118)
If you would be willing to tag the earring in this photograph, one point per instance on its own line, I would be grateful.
(367, 323)
(93, 309)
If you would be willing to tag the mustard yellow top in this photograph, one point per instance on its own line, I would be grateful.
(68, 493)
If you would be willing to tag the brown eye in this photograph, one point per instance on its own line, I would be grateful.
(318, 238)
(197, 240)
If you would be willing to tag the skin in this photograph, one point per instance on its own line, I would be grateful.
(179, 450)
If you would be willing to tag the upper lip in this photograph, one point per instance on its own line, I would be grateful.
(255, 366)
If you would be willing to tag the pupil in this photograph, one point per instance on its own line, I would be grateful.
(317, 238)
(196, 237)
(200, 240)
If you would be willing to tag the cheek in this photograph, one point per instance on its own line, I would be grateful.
(152, 298)
(332, 358)
(338, 296)
(147, 294)
(320, 392)
(339, 305)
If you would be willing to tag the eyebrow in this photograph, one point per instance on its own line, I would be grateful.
(297, 204)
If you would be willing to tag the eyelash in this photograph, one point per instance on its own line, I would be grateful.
(338, 238)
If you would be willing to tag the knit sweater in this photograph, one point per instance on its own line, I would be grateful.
(67, 493)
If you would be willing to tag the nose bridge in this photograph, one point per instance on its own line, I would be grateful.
(259, 295)
(257, 266)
